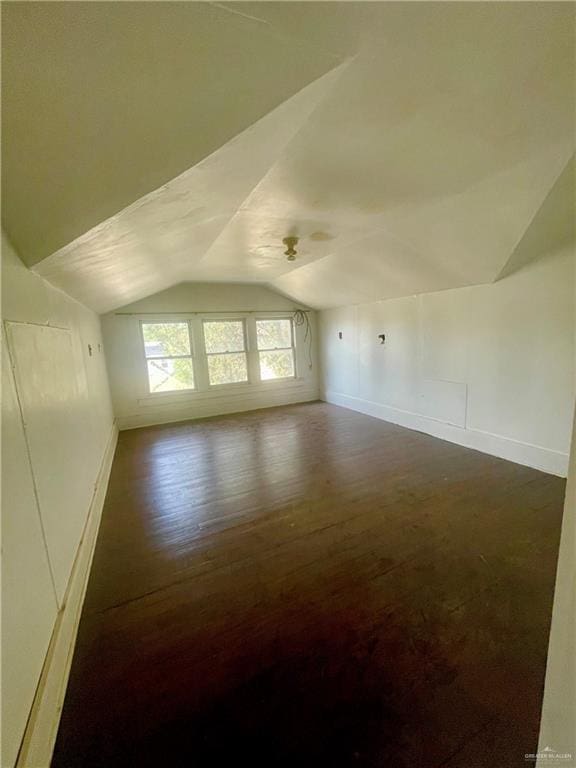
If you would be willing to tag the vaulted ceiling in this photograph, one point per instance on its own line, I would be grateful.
(409, 146)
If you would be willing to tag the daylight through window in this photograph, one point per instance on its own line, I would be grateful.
(225, 343)
(275, 340)
(168, 356)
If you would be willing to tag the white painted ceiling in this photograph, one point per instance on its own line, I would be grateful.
(411, 147)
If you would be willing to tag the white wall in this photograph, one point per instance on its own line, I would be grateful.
(488, 366)
(56, 423)
(558, 721)
(134, 406)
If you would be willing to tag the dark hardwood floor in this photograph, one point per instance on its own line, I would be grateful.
(308, 586)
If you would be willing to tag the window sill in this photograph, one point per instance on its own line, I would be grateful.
(171, 393)
(279, 381)
(233, 385)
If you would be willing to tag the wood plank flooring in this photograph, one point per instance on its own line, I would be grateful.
(308, 586)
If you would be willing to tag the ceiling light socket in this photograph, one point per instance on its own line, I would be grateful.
(290, 243)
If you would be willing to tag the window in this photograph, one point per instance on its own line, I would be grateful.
(172, 366)
(225, 342)
(275, 340)
(168, 356)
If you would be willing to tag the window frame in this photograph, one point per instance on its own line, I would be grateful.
(199, 357)
(245, 351)
(292, 347)
(191, 357)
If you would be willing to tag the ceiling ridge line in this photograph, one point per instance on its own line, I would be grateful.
(504, 272)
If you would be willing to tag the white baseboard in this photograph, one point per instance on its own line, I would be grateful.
(40, 735)
(553, 462)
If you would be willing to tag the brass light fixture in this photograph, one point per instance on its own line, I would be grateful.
(291, 243)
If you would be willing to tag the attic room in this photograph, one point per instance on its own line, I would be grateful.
(288, 384)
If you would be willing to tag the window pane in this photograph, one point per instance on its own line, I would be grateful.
(170, 375)
(276, 365)
(224, 336)
(227, 369)
(274, 334)
(166, 339)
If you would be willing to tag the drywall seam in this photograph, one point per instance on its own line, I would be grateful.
(41, 729)
(535, 456)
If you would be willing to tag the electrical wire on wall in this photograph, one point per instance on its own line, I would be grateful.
(300, 317)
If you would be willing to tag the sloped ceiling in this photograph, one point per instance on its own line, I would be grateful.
(410, 146)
